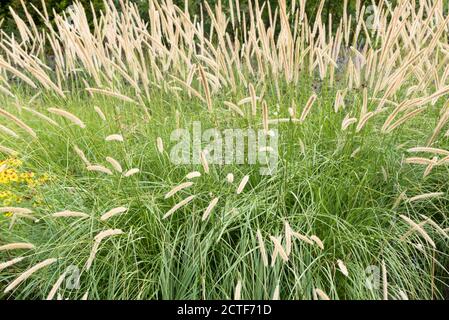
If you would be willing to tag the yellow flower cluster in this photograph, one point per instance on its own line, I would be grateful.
(8, 198)
(11, 173)
(18, 185)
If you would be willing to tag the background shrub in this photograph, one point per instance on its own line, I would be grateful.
(334, 7)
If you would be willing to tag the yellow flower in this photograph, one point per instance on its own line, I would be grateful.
(21, 184)
(8, 214)
(15, 162)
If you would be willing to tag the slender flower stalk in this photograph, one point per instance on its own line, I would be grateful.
(242, 184)
(28, 274)
(16, 246)
(263, 251)
(97, 240)
(209, 208)
(177, 206)
(113, 212)
(69, 116)
(178, 188)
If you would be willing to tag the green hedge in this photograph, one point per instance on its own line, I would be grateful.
(56, 5)
(331, 6)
